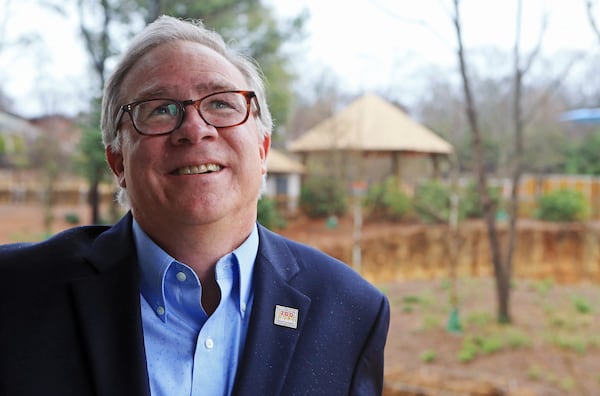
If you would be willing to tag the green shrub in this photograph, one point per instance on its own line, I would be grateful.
(386, 201)
(72, 218)
(432, 202)
(268, 215)
(323, 197)
(562, 206)
(470, 200)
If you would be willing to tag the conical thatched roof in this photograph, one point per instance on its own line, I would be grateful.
(371, 124)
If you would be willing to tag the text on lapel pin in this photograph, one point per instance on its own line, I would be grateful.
(286, 316)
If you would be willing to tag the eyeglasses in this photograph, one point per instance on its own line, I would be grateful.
(163, 116)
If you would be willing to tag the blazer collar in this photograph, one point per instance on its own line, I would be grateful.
(108, 310)
(113, 246)
(270, 347)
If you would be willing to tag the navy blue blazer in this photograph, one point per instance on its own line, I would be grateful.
(70, 321)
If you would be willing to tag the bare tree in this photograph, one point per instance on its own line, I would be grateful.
(502, 254)
(488, 206)
(98, 47)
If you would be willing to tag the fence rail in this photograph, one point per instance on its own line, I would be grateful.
(532, 187)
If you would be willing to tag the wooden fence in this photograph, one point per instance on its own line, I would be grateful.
(28, 187)
(532, 187)
(73, 191)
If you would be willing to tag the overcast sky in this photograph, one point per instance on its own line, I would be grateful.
(369, 44)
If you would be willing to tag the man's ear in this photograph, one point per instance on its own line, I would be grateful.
(115, 161)
(264, 152)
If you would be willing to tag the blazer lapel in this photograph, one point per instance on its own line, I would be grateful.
(269, 347)
(108, 310)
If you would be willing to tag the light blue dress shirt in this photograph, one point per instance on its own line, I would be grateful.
(188, 352)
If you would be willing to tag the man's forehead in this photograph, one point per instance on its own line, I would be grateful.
(173, 68)
(161, 88)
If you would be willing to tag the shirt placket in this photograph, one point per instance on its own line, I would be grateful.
(216, 353)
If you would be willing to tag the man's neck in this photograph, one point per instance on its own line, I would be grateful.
(200, 246)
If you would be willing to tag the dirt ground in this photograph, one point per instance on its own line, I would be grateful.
(551, 348)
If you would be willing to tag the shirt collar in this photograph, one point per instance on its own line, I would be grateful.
(246, 256)
(154, 263)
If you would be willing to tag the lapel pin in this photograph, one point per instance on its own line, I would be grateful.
(286, 316)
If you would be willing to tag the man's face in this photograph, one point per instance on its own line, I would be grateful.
(163, 174)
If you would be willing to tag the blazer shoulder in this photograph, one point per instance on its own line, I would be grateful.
(316, 271)
(49, 257)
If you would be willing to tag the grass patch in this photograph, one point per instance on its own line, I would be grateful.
(574, 342)
(479, 319)
(547, 316)
(494, 339)
(492, 343)
(535, 373)
(567, 384)
(581, 304)
(469, 350)
(411, 302)
(516, 338)
(430, 322)
(543, 287)
(427, 356)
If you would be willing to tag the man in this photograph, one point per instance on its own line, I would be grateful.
(187, 294)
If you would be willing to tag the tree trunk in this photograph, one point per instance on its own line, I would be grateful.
(489, 207)
(94, 201)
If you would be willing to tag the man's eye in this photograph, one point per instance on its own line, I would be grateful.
(220, 104)
(167, 109)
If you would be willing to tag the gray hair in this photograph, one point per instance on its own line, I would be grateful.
(167, 29)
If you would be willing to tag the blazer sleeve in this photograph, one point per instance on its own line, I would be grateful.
(368, 376)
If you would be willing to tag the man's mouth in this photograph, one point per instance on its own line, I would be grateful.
(197, 169)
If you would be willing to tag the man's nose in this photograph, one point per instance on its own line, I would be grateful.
(193, 128)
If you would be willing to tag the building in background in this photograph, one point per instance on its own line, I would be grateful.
(370, 140)
(284, 180)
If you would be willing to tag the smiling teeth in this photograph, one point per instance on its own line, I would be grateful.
(198, 169)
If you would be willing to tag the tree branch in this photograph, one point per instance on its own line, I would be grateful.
(589, 7)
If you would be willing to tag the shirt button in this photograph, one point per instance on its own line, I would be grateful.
(243, 307)
(181, 277)
(209, 343)
(160, 310)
